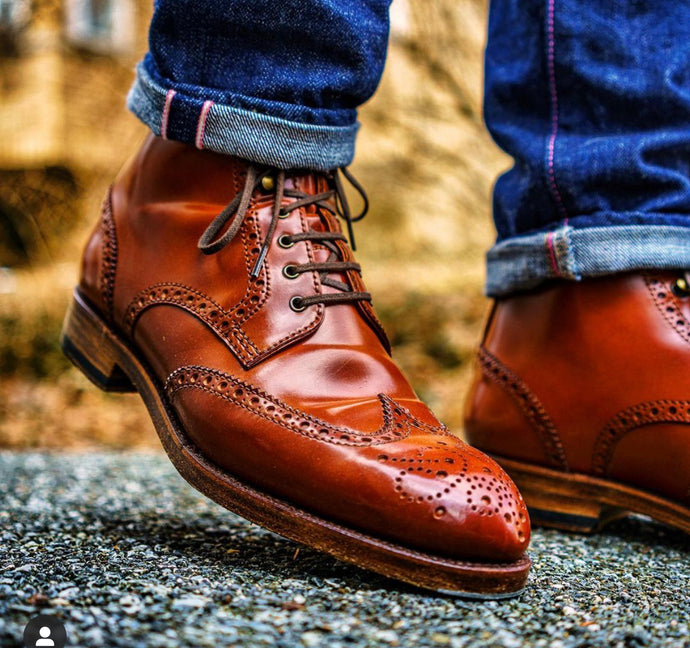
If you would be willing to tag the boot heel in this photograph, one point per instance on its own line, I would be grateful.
(558, 500)
(87, 342)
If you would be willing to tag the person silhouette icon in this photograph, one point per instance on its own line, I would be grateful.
(45, 639)
(45, 631)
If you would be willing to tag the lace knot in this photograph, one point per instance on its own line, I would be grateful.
(226, 225)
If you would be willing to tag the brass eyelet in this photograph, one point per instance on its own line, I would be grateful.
(290, 271)
(283, 214)
(285, 242)
(296, 304)
(680, 287)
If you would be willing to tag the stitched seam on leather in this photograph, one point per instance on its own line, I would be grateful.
(647, 413)
(366, 308)
(109, 253)
(397, 421)
(528, 404)
(167, 294)
(247, 350)
(252, 289)
(667, 304)
(316, 320)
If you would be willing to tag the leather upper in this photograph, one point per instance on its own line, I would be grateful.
(592, 378)
(306, 405)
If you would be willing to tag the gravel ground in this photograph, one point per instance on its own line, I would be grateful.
(126, 554)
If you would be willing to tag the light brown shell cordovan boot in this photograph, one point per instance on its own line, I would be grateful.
(582, 393)
(227, 296)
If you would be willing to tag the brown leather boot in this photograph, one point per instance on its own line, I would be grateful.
(227, 296)
(582, 393)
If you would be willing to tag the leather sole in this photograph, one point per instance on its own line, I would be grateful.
(111, 364)
(581, 503)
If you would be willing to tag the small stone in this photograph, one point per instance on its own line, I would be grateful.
(195, 602)
(292, 606)
(311, 638)
(388, 636)
(39, 599)
(59, 602)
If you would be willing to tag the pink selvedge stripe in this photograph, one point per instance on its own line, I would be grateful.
(166, 113)
(201, 126)
(554, 111)
(552, 253)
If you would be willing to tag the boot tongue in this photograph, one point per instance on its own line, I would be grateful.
(321, 220)
(310, 182)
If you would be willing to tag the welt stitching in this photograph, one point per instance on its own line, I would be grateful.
(528, 403)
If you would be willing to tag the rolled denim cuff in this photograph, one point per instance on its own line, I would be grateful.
(254, 136)
(525, 262)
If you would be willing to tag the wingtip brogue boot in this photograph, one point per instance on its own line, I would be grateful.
(582, 393)
(227, 296)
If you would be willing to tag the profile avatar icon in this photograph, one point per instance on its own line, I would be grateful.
(45, 639)
(45, 631)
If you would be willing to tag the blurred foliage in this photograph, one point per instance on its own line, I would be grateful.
(30, 349)
(36, 206)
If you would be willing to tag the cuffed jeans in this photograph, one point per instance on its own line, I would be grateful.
(591, 98)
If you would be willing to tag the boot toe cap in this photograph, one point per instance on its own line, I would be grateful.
(459, 503)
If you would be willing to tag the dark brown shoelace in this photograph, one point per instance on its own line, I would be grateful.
(232, 217)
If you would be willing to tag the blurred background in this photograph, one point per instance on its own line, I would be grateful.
(423, 155)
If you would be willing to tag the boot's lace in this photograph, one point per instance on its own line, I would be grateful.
(232, 217)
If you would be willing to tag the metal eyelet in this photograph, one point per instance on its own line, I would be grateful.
(290, 271)
(285, 242)
(283, 214)
(680, 287)
(296, 304)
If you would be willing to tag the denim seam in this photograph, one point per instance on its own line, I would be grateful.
(551, 253)
(524, 262)
(550, 152)
(258, 137)
(201, 125)
(574, 269)
(566, 254)
(166, 113)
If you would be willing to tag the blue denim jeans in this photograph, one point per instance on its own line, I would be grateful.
(274, 82)
(591, 98)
